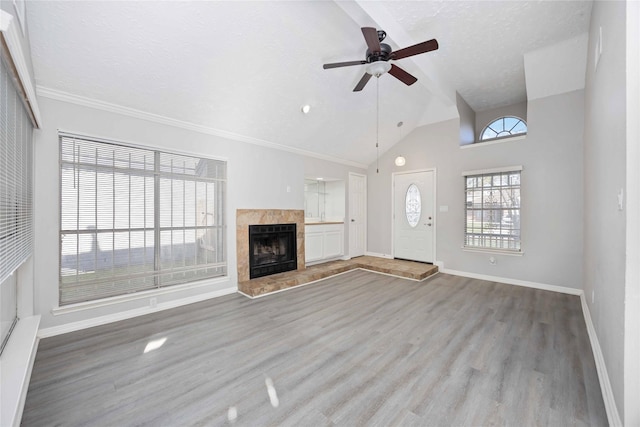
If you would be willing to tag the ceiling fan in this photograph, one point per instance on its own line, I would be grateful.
(379, 54)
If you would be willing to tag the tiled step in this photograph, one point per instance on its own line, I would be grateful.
(396, 267)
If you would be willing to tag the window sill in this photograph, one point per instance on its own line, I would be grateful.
(88, 305)
(493, 251)
(494, 141)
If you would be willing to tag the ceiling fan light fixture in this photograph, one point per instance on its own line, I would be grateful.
(378, 68)
(400, 161)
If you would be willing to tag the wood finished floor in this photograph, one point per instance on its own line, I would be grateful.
(356, 349)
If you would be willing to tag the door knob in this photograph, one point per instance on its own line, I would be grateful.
(429, 224)
(353, 220)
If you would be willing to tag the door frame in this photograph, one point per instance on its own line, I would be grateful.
(364, 210)
(393, 208)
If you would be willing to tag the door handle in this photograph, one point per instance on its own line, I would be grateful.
(429, 224)
(353, 220)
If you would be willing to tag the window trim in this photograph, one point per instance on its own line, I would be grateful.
(157, 290)
(492, 171)
(16, 192)
(494, 141)
(498, 138)
(493, 251)
(119, 299)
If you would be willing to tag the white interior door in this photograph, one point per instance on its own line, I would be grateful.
(357, 214)
(413, 217)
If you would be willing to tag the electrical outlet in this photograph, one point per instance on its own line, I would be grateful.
(153, 302)
(493, 260)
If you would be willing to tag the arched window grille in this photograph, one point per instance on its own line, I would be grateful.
(504, 127)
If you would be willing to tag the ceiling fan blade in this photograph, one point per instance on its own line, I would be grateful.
(416, 49)
(343, 64)
(402, 75)
(371, 37)
(363, 81)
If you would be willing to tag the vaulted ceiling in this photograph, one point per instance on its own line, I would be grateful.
(246, 68)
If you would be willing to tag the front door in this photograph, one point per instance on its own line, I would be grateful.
(413, 216)
(357, 214)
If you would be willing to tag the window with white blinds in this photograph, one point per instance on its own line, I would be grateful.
(16, 187)
(135, 219)
(16, 166)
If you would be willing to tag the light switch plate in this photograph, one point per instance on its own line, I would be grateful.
(621, 199)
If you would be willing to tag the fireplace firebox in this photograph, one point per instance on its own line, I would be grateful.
(272, 249)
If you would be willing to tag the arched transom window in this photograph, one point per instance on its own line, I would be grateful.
(503, 127)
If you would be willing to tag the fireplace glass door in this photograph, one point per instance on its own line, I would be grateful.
(272, 249)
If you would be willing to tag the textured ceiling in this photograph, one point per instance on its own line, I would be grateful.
(247, 67)
(483, 42)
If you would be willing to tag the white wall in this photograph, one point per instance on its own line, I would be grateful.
(631, 414)
(552, 196)
(604, 177)
(467, 121)
(258, 178)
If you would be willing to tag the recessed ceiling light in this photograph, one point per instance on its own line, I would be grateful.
(306, 108)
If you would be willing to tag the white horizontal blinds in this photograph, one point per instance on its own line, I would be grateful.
(130, 219)
(493, 210)
(16, 168)
(106, 220)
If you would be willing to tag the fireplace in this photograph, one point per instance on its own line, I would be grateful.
(272, 249)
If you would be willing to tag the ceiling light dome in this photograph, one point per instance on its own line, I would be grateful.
(378, 68)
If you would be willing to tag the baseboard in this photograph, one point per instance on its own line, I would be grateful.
(115, 317)
(17, 363)
(509, 281)
(375, 254)
(605, 385)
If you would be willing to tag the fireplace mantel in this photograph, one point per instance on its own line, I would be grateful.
(247, 217)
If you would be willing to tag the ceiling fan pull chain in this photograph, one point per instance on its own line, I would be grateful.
(377, 124)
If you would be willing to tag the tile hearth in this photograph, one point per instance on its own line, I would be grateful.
(276, 282)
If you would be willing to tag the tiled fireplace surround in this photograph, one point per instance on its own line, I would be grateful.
(247, 217)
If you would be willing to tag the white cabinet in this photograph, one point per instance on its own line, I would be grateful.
(313, 244)
(323, 242)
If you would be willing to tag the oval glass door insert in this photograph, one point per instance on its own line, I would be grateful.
(413, 205)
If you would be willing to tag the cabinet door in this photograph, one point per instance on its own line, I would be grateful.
(333, 243)
(313, 245)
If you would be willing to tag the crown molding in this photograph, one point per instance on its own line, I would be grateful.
(139, 114)
(12, 48)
